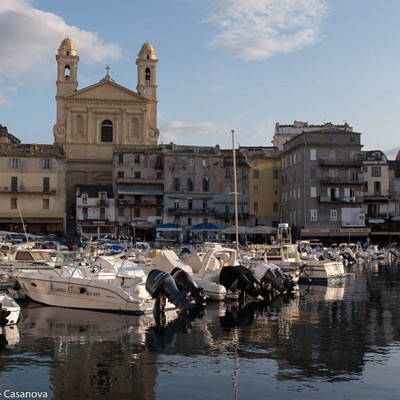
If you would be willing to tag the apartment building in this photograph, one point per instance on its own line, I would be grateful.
(322, 184)
(32, 188)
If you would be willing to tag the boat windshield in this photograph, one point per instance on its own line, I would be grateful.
(289, 252)
(67, 258)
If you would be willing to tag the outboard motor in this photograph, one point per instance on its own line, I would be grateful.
(184, 282)
(239, 278)
(161, 285)
(271, 274)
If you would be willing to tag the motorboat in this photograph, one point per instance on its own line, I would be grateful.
(75, 283)
(285, 255)
(9, 309)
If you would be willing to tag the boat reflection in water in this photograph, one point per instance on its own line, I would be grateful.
(320, 340)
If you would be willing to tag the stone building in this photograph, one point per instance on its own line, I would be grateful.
(284, 133)
(138, 178)
(322, 184)
(32, 188)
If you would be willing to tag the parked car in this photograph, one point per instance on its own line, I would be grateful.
(50, 244)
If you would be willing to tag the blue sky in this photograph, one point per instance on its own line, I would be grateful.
(223, 64)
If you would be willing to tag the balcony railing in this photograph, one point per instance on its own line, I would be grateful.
(328, 180)
(329, 199)
(28, 190)
(356, 162)
(193, 211)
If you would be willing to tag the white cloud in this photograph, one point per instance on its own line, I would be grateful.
(260, 29)
(30, 39)
(176, 131)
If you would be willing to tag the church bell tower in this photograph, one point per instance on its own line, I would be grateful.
(147, 72)
(67, 64)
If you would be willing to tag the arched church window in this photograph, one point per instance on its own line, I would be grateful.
(147, 75)
(67, 71)
(106, 131)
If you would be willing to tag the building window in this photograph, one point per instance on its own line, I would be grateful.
(136, 212)
(227, 173)
(255, 162)
(205, 205)
(313, 154)
(255, 189)
(332, 155)
(176, 204)
(313, 191)
(275, 189)
(275, 206)
(175, 161)
(352, 139)
(205, 162)
(85, 212)
(333, 215)
(14, 163)
(120, 211)
(375, 172)
(314, 215)
(189, 221)
(46, 184)
(255, 205)
(14, 203)
(227, 210)
(190, 204)
(120, 174)
(313, 173)
(228, 190)
(190, 184)
(206, 185)
(191, 162)
(46, 163)
(14, 184)
(107, 131)
(137, 159)
(332, 139)
(46, 204)
(377, 188)
(256, 173)
(159, 175)
(147, 75)
(84, 198)
(137, 175)
(244, 191)
(314, 138)
(120, 158)
(177, 184)
(274, 174)
(365, 186)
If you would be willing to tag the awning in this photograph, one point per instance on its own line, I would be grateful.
(143, 225)
(376, 201)
(262, 229)
(141, 191)
(168, 227)
(348, 232)
(205, 227)
(231, 230)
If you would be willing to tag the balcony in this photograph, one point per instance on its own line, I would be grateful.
(329, 199)
(187, 211)
(357, 162)
(329, 180)
(28, 190)
(102, 203)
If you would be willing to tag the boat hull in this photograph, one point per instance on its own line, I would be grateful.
(82, 293)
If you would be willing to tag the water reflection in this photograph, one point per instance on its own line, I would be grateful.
(319, 334)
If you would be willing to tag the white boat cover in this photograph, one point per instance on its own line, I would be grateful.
(167, 260)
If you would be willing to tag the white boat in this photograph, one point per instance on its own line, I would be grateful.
(75, 284)
(285, 255)
(10, 310)
(205, 274)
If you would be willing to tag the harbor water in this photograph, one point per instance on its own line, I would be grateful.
(340, 341)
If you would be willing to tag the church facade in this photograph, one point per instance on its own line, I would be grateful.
(93, 120)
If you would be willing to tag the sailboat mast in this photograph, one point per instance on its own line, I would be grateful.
(235, 192)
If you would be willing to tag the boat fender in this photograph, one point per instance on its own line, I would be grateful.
(49, 287)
